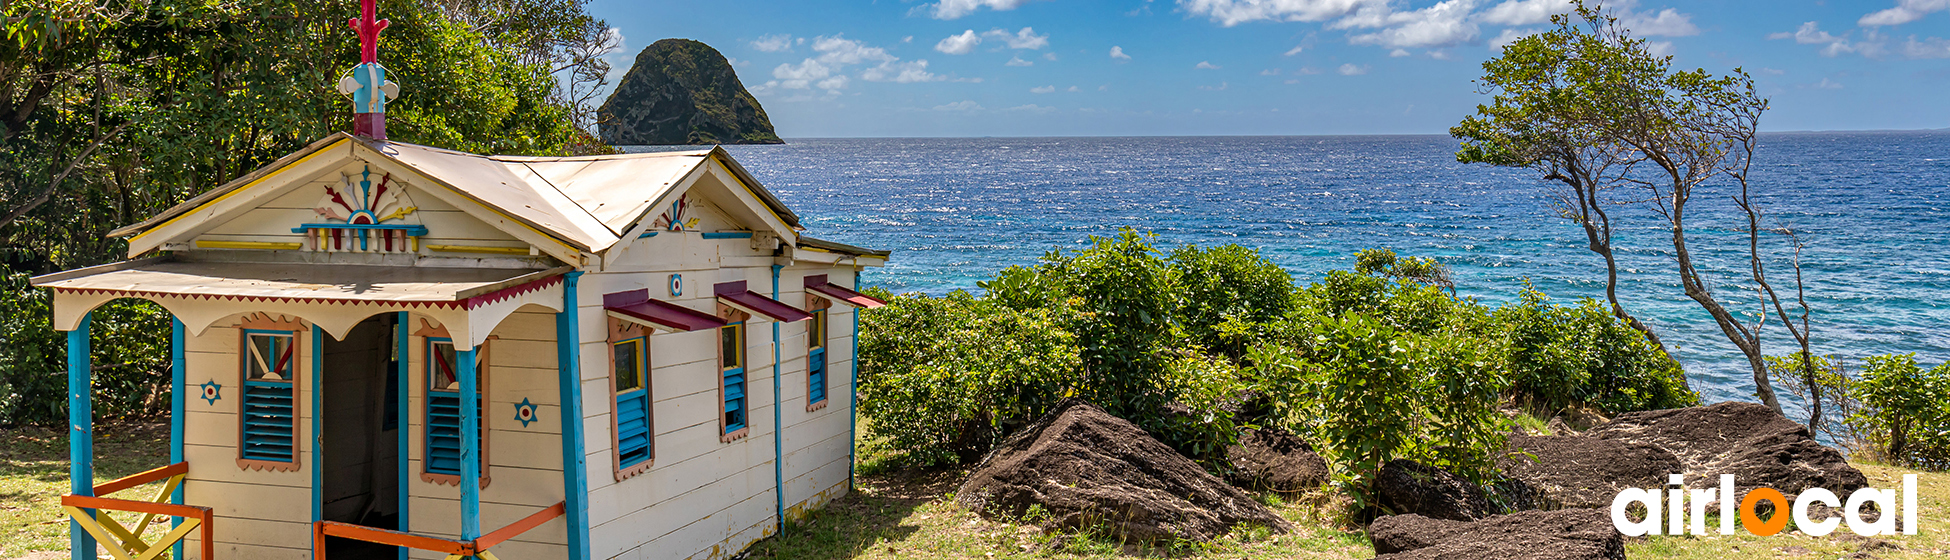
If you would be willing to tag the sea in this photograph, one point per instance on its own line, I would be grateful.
(1870, 211)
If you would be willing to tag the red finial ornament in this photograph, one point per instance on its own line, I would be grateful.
(368, 30)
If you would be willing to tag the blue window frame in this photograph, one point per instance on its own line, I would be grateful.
(816, 359)
(269, 432)
(731, 359)
(630, 363)
(443, 408)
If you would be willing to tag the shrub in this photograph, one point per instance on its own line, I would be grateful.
(1564, 355)
(1905, 411)
(130, 353)
(1224, 289)
(1831, 383)
(945, 379)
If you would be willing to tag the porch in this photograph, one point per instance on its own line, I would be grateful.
(282, 342)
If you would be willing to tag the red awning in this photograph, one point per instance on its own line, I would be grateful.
(636, 306)
(817, 284)
(734, 294)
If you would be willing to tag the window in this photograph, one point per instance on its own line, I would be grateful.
(816, 360)
(269, 434)
(630, 368)
(731, 357)
(442, 460)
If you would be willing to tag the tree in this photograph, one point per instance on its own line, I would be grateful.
(1591, 104)
(1553, 95)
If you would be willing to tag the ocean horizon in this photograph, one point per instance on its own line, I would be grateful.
(1871, 208)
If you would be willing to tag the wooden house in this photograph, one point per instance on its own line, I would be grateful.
(655, 360)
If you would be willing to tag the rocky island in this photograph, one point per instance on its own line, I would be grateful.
(681, 91)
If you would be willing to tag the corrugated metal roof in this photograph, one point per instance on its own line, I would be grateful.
(616, 189)
(292, 281)
(510, 188)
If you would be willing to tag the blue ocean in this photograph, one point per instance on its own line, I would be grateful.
(1871, 208)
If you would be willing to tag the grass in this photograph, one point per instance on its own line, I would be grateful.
(911, 514)
(34, 475)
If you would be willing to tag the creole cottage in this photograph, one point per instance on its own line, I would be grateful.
(383, 349)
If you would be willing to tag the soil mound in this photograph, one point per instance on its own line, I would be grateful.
(1276, 461)
(1568, 534)
(1088, 469)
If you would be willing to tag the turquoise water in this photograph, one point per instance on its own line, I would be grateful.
(1872, 208)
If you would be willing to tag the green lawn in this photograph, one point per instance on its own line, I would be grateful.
(913, 515)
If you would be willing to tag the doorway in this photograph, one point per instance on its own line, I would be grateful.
(359, 446)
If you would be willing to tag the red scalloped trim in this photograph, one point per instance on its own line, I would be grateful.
(148, 294)
(510, 292)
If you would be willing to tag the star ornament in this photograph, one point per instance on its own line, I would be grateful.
(525, 412)
(212, 391)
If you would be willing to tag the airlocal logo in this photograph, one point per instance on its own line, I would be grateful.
(1680, 502)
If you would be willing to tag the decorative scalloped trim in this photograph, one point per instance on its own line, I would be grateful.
(428, 329)
(814, 407)
(261, 465)
(450, 480)
(269, 322)
(166, 295)
(625, 474)
(735, 436)
(510, 292)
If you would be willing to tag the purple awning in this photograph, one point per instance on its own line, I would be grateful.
(636, 306)
(734, 294)
(817, 284)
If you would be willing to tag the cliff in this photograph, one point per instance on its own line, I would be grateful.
(681, 91)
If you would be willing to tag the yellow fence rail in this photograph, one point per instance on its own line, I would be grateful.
(126, 544)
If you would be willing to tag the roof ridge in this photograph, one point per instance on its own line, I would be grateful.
(565, 196)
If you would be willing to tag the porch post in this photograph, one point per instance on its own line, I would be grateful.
(470, 447)
(178, 414)
(403, 426)
(317, 377)
(575, 470)
(853, 400)
(778, 416)
(81, 433)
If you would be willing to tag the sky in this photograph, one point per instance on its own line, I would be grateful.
(957, 68)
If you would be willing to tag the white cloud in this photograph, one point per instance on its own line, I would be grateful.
(1073, 89)
(1270, 72)
(1118, 53)
(800, 76)
(1444, 24)
(1809, 33)
(1221, 87)
(1398, 53)
(833, 83)
(900, 72)
(959, 44)
(1043, 89)
(1825, 83)
(907, 39)
(1905, 11)
(1234, 12)
(1667, 23)
(1024, 39)
(952, 9)
(1295, 50)
(1309, 70)
(1511, 35)
(1933, 47)
(1350, 69)
(1659, 48)
(1018, 61)
(1031, 108)
(773, 43)
(1525, 12)
(1049, 56)
(959, 106)
(840, 50)
(1206, 65)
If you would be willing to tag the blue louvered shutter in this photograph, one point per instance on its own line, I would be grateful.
(632, 375)
(270, 366)
(816, 359)
(443, 409)
(732, 358)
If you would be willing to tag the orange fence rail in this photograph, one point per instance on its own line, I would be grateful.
(453, 548)
(127, 544)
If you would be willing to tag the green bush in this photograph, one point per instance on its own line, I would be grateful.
(130, 353)
(1564, 355)
(1905, 411)
(1227, 285)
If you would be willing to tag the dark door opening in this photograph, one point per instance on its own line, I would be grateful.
(360, 451)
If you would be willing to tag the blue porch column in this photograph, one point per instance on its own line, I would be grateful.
(178, 414)
(575, 470)
(470, 446)
(403, 423)
(81, 433)
(778, 418)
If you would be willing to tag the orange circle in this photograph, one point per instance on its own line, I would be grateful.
(1751, 519)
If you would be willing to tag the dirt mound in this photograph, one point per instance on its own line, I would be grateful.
(1406, 487)
(1583, 472)
(1088, 469)
(1747, 440)
(1568, 534)
(1273, 460)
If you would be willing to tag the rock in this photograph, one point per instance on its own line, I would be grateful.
(1090, 470)
(1568, 534)
(1747, 440)
(1405, 487)
(1584, 472)
(1557, 427)
(1273, 460)
(681, 91)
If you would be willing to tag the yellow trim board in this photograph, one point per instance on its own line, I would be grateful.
(478, 249)
(234, 192)
(265, 245)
